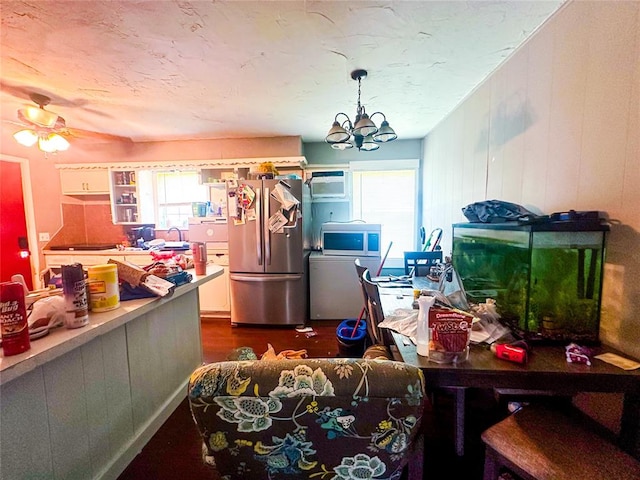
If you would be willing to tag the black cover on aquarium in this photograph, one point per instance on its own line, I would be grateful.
(546, 278)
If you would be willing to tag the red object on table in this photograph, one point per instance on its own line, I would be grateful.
(510, 352)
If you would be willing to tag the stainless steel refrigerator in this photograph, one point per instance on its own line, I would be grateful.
(268, 251)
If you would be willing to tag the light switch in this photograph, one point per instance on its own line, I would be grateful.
(43, 236)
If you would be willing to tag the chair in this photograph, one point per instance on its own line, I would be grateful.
(311, 418)
(419, 263)
(380, 336)
(359, 271)
(538, 443)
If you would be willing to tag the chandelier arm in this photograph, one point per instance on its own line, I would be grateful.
(378, 113)
(346, 122)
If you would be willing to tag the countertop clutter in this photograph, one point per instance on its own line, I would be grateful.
(87, 399)
(61, 340)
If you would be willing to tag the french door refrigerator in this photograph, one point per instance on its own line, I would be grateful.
(268, 256)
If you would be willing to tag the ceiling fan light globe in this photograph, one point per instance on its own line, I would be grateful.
(52, 143)
(342, 145)
(46, 145)
(39, 116)
(26, 137)
(337, 134)
(60, 143)
(365, 126)
(385, 133)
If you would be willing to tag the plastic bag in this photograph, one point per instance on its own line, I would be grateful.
(451, 287)
(47, 312)
(495, 211)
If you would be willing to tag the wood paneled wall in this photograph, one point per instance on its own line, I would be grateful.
(556, 127)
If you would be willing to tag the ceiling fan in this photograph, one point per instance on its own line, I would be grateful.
(49, 130)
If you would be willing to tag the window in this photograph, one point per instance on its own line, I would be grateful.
(385, 192)
(175, 192)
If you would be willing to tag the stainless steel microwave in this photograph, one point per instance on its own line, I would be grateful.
(353, 239)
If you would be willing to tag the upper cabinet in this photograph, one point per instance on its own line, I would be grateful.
(131, 201)
(84, 181)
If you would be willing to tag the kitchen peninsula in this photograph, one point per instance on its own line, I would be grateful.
(82, 403)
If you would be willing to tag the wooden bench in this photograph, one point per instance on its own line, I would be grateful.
(537, 443)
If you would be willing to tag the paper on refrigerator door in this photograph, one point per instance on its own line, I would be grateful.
(284, 196)
(277, 221)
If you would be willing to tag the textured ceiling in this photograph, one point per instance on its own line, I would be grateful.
(213, 69)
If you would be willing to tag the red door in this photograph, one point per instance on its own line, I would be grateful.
(13, 225)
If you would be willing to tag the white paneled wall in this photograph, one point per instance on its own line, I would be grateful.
(556, 127)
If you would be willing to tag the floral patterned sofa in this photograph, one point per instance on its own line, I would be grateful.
(343, 418)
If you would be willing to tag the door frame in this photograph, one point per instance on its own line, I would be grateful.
(29, 215)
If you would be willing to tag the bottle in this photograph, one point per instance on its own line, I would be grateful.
(104, 294)
(14, 329)
(425, 303)
(75, 296)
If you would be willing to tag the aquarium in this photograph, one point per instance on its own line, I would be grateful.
(546, 278)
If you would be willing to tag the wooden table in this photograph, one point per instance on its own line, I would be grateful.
(547, 369)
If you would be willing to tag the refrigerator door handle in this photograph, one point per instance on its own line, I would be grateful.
(258, 227)
(267, 231)
(264, 278)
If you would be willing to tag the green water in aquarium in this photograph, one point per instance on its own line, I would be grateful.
(549, 292)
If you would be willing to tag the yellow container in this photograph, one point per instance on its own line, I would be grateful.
(103, 287)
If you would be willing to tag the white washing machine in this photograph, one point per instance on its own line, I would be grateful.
(334, 288)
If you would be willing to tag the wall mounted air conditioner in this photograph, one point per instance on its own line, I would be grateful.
(329, 185)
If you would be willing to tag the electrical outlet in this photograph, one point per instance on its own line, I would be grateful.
(43, 236)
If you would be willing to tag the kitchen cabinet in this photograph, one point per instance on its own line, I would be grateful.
(213, 176)
(84, 181)
(215, 297)
(124, 196)
(131, 196)
(81, 403)
(56, 260)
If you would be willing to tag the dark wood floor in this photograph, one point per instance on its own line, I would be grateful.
(175, 451)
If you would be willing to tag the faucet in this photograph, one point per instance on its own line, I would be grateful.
(177, 230)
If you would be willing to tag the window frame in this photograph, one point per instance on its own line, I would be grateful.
(387, 165)
(157, 204)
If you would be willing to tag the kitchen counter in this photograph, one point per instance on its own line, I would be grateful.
(81, 403)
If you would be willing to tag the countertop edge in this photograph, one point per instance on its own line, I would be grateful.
(62, 340)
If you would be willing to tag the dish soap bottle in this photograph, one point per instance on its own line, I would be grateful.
(425, 303)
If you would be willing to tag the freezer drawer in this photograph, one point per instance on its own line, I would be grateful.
(269, 299)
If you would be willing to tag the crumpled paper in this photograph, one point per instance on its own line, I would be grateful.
(404, 321)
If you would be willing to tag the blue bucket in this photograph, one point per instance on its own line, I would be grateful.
(351, 323)
(351, 346)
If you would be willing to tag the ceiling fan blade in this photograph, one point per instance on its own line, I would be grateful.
(16, 123)
(80, 134)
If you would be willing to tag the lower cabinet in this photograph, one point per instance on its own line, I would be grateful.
(57, 260)
(87, 413)
(215, 296)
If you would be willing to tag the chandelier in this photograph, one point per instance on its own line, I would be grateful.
(362, 133)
